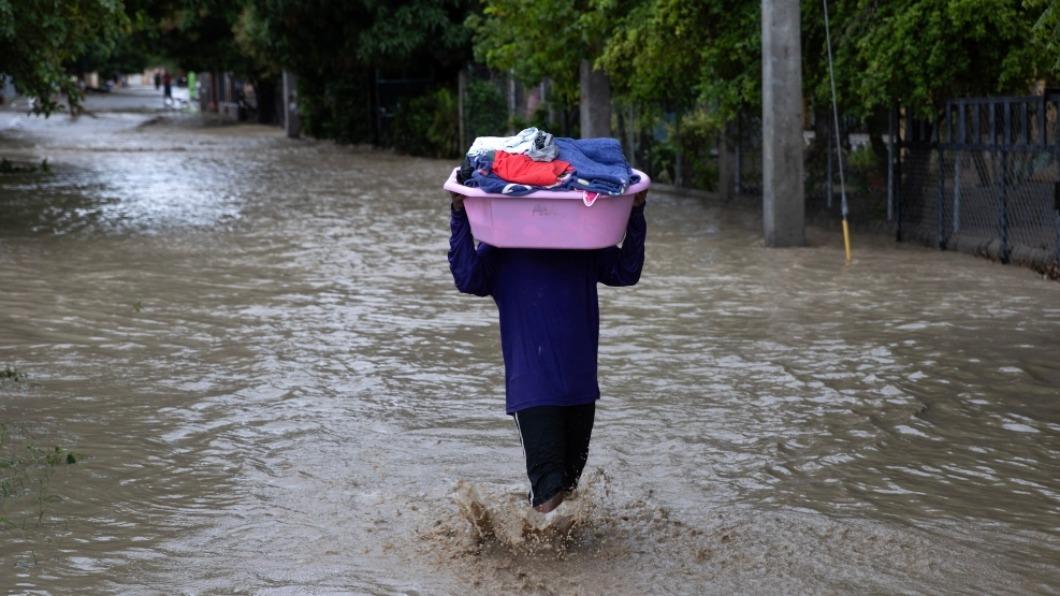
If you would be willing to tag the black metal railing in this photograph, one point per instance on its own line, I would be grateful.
(983, 177)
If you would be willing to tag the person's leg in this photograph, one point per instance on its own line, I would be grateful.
(578, 423)
(541, 430)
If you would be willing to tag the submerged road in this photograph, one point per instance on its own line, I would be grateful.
(256, 349)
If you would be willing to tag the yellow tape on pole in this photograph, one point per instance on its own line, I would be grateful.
(838, 138)
(846, 239)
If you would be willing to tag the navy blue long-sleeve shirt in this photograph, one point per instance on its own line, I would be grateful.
(549, 314)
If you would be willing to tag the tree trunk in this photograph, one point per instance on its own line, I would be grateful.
(265, 92)
(594, 102)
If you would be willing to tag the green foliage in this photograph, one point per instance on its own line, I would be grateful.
(667, 55)
(918, 52)
(690, 139)
(26, 469)
(38, 38)
(11, 167)
(399, 31)
(42, 42)
(662, 156)
(486, 113)
(108, 60)
(654, 49)
(1046, 34)
(539, 119)
(252, 39)
(337, 108)
(731, 74)
(9, 373)
(197, 34)
(673, 54)
(536, 39)
(337, 48)
(428, 125)
(697, 140)
(317, 41)
(863, 159)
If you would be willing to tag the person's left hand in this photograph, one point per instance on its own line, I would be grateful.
(640, 198)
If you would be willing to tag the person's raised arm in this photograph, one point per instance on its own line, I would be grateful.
(622, 266)
(471, 268)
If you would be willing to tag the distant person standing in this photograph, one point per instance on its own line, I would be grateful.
(167, 88)
(158, 80)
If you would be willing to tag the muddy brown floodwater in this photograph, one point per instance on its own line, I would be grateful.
(256, 347)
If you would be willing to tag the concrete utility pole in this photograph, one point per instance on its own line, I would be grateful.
(292, 125)
(594, 102)
(784, 210)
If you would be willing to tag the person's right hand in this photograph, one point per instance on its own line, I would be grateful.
(458, 201)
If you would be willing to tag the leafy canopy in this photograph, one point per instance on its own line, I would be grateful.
(707, 53)
(39, 37)
(543, 38)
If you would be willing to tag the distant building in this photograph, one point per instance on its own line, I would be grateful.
(223, 93)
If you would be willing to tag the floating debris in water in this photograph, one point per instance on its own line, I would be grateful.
(13, 167)
(12, 374)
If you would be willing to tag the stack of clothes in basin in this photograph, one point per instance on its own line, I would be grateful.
(535, 160)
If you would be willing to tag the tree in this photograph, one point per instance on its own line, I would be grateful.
(538, 39)
(39, 38)
(199, 34)
(676, 54)
(220, 36)
(338, 48)
(1047, 35)
(917, 53)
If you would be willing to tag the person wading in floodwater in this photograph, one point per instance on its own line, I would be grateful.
(550, 328)
(167, 88)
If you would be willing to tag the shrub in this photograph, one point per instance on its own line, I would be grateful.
(336, 110)
(427, 125)
(485, 110)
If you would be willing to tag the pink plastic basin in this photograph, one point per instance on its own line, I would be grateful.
(547, 219)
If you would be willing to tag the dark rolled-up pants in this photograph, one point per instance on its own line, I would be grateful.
(556, 445)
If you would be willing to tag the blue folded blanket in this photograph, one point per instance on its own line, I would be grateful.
(599, 164)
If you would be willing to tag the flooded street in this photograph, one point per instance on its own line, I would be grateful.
(256, 348)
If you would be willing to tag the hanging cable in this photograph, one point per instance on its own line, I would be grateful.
(838, 141)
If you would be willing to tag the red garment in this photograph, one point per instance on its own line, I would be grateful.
(518, 168)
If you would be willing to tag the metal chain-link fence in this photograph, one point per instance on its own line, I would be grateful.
(985, 179)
